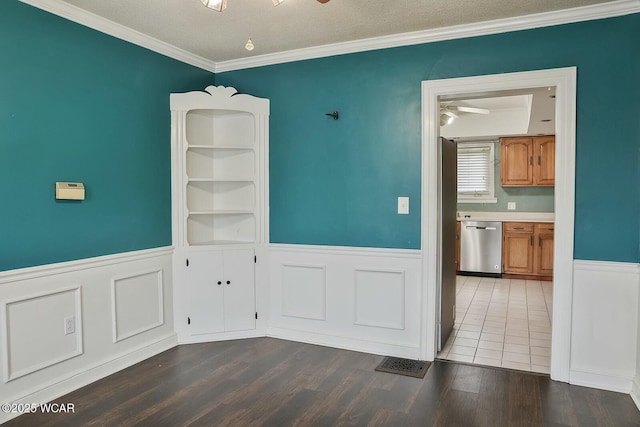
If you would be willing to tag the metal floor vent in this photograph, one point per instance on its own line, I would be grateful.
(408, 367)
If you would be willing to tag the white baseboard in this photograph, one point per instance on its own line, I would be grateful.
(635, 391)
(223, 336)
(345, 343)
(94, 373)
(601, 381)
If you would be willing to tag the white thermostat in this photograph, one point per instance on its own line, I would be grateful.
(69, 191)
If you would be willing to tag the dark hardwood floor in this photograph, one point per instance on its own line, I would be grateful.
(270, 382)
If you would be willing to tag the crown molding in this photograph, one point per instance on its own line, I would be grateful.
(538, 20)
(96, 22)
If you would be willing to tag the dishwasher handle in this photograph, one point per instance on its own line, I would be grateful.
(479, 227)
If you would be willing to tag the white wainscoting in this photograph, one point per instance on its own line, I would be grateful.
(604, 334)
(136, 304)
(122, 307)
(354, 298)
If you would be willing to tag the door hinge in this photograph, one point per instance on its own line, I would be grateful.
(256, 315)
(255, 259)
(188, 320)
(187, 262)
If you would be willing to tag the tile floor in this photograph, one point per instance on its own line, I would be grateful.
(502, 322)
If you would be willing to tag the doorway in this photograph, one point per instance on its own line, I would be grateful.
(564, 80)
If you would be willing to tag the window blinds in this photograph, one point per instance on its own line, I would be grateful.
(474, 173)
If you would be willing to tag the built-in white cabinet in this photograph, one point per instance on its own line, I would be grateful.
(219, 177)
(221, 291)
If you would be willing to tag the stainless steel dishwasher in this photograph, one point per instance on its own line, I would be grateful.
(481, 248)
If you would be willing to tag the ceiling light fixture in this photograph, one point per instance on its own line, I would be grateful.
(249, 46)
(220, 5)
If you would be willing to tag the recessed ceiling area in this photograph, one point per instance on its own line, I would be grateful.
(297, 24)
(509, 113)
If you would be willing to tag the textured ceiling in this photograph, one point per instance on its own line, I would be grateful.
(296, 24)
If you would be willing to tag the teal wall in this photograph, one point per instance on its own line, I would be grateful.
(528, 199)
(336, 182)
(77, 105)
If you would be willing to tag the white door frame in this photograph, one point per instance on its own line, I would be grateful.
(564, 79)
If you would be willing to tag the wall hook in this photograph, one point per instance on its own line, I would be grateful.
(335, 115)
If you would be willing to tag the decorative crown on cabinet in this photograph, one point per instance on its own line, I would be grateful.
(219, 151)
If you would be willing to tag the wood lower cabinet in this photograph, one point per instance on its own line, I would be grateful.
(527, 248)
(543, 254)
(517, 248)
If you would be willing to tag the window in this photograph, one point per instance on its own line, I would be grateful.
(475, 173)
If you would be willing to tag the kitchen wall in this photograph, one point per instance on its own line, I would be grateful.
(337, 182)
(78, 105)
(528, 199)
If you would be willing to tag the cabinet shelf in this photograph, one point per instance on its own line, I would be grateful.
(219, 147)
(223, 212)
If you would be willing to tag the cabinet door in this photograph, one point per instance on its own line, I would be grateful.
(544, 148)
(516, 162)
(544, 250)
(239, 290)
(206, 292)
(517, 252)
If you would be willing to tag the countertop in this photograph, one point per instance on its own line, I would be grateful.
(507, 216)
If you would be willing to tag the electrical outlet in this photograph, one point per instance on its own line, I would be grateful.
(69, 325)
(511, 206)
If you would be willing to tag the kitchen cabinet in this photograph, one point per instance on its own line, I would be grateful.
(527, 248)
(527, 161)
(517, 248)
(543, 255)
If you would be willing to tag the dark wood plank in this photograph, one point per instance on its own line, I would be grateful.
(270, 382)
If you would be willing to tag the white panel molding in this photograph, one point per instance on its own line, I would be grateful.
(345, 342)
(340, 329)
(564, 79)
(539, 20)
(114, 308)
(322, 314)
(347, 250)
(48, 270)
(604, 337)
(96, 22)
(8, 373)
(74, 380)
(399, 324)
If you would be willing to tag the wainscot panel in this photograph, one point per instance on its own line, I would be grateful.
(66, 325)
(604, 325)
(352, 298)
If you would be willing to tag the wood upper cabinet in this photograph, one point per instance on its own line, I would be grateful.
(544, 170)
(527, 161)
(527, 248)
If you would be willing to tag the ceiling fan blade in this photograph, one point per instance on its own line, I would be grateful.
(472, 110)
(450, 113)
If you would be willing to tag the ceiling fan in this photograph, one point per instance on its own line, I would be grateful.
(449, 112)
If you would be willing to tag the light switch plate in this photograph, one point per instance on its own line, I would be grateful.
(403, 205)
(511, 206)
